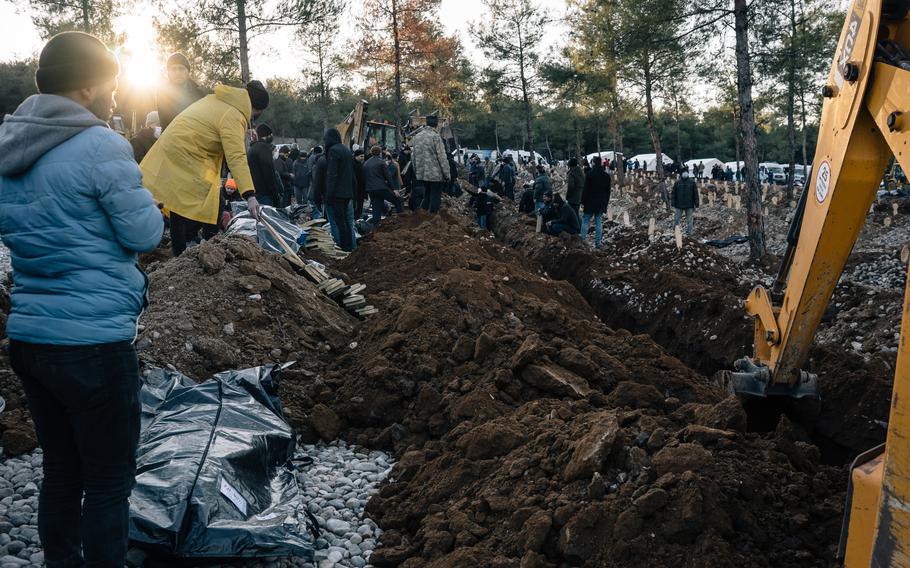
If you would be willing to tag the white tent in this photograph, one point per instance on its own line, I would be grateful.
(650, 161)
(707, 162)
(605, 156)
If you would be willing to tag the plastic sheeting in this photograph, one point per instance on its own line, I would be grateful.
(242, 223)
(214, 475)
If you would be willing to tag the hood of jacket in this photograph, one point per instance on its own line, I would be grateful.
(236, 97)
(40, 124)
(330, 138)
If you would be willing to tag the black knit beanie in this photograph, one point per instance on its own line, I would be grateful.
(179, 59)
(74, 60)
(263, 130)
(259, 97)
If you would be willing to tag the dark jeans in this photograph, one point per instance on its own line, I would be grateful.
(377, 204)
(482, 221)
(185, 231)
(84, 402)
(340, 213)
(432, 195)
(265, 200)
(417, 192)
(510, 190)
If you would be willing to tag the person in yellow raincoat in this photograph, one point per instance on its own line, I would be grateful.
(183, 169)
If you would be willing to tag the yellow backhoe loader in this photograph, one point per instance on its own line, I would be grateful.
(357, 129)
(865, 122)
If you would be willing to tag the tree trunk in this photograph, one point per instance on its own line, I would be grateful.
(655, 138)
(323, 88)
(244, 46)
(679, 159)
(754, 219)
(529, 134)
(577, 136)
(597, 121)
(802, 120)
(496, 135)
(87, 16)
(397, 46)
(736, 138)
(791, 94)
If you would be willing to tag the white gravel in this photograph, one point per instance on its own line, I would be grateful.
(335, 488)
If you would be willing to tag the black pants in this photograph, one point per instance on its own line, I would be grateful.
(84, 401)
(377, 204)
(341, 213)
(417, 193)
(432, 195)
(185, 231)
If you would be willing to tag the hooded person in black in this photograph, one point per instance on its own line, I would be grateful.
(339, 189)
(262, 168)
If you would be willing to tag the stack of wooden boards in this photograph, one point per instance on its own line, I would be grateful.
(349, 296)
(319, 238)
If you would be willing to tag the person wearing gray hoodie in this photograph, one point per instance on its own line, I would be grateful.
(74, 214)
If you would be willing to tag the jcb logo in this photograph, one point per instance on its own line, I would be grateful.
(846, 50)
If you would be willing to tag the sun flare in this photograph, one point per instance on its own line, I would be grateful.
(140, 58)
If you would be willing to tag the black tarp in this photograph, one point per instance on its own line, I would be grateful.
(213, 468)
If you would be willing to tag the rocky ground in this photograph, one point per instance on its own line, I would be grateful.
(533, 402)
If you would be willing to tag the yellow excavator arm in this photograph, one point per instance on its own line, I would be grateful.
(865, 121)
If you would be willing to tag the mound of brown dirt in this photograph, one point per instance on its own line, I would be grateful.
(690, 302)
(227, 303)
(530, 434)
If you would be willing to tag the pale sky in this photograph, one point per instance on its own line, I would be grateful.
(269, 58)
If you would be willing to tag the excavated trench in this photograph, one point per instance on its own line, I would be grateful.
(690, 303)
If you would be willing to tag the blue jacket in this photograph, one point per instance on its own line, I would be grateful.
(73, 213)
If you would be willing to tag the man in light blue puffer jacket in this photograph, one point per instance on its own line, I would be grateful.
(74, 215)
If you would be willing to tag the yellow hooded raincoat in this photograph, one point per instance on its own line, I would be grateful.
(183, 168)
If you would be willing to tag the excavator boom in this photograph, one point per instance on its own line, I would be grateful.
(862, 127)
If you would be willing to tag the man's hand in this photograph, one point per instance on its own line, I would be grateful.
(253, 205)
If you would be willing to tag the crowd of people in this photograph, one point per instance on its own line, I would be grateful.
(78, 203)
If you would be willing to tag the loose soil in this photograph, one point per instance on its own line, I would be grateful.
(531, 428)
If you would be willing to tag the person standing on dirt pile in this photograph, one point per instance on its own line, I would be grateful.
(379, 185)
(431, 166)
(360, 188)
(391, 160)
(575, 184)
(143, 141)
(507, 176)
(477, 175)
(75, 215)
(562, 217)
(542, 185)
(262, 167)
(301, 181)
(179, 92)
(684, 199)
(483, 205)
(488, 168)
(595, 198)
(285, 168)
(183, 169)
(310, 174)
(340, 187)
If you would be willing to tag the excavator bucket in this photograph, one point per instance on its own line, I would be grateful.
(749, 379)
